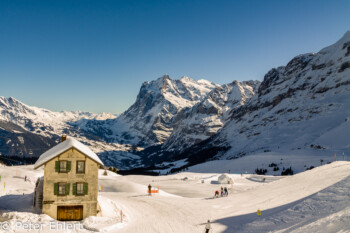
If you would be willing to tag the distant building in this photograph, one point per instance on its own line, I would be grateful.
(69, 188)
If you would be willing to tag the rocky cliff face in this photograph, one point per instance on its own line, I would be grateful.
(150, 119)
(195, 124)
(158, 103)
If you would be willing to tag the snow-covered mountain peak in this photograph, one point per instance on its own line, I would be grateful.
(185, 87)
(183, 92)
(17, 107)
(150, 119)
(10, 101)
(336, 56)
(185, 78)
(40, 120)
(154, 85)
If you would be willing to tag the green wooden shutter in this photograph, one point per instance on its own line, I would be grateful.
(55, 189)
(57, 166)
(86, 187)
(74, 188)
(69, 165)
(67, 188)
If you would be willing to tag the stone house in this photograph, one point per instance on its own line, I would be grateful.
(69, 188)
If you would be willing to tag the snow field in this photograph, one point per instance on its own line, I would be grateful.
(299, 160)
(313, 201)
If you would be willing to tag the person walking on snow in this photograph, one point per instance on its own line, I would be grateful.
(207, 227)
(149, 189)
(25, 178)
(226, 192)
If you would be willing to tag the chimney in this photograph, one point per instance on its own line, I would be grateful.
(64, 137)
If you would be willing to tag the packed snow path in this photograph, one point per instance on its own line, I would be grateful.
(313, 201)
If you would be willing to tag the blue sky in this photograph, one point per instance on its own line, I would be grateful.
(94, 55)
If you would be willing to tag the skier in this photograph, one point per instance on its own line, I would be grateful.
(226, 192)
(222, 191)
(25, 178)
(149, 189)
(207, 227)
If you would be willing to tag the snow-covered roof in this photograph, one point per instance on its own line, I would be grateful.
(62, 147)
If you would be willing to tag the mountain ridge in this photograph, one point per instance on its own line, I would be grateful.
(300, 105)
(296, 105)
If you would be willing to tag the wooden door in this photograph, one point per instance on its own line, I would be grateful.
(70, 213)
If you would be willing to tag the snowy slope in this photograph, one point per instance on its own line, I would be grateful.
(305, 104)
(312, 201)
(298, 160)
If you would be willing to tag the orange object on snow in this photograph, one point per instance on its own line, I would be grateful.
(153, 191)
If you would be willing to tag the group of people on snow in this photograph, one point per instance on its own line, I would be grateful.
(223, 193)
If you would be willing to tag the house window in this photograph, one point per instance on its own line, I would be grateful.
(62, 189)
(80, 166)
(80, 188)
(63, 166)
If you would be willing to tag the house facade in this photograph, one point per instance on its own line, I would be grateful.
(70, 184)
